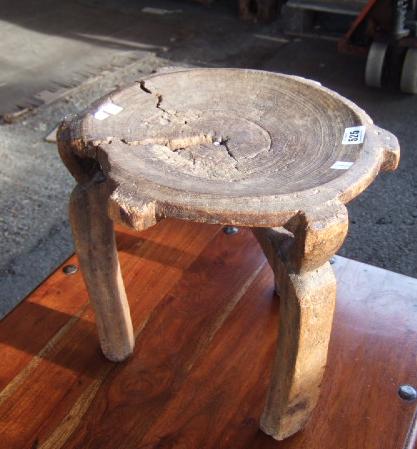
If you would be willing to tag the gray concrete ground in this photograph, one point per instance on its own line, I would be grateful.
(91, 47)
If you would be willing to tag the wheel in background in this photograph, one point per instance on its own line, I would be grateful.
(375, 64)
(408, 82)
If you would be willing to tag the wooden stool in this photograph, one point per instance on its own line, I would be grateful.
(277, 153)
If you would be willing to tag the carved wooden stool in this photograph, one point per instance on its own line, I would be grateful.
(278, 153)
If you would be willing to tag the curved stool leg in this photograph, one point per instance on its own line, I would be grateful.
(96, 249)
(307, 303)
(307, 289)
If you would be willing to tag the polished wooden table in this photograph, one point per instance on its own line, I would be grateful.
(205, 323)
(276, 153)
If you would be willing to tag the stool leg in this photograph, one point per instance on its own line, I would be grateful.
(306, 312)
(307, 290)
(96, 249)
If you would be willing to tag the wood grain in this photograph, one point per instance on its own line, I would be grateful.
(175, 337)
(238, 371)
(96, 249)
(246, 147)
(49, 309)
(307, 286)
(75, 360)
(210, 389)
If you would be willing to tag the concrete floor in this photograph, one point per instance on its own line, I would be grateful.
(78, 50)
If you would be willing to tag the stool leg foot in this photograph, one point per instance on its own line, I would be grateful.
(298, 255)
(96, 249)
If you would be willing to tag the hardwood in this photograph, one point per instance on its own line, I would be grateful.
(205, 317)
(307, 287)
(96, 249)
(71, 360)
(247, 147)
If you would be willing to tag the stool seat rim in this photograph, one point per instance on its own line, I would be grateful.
(146, 179)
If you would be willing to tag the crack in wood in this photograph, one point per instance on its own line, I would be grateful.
(179, 144)
(224, 144)
(174, 144)
(159, 98)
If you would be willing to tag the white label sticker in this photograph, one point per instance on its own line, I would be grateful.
(106, 110)
(341, 165)
(111, 108)
(353, 135)
(100, 115)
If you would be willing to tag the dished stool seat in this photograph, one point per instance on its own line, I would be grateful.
(276, 153)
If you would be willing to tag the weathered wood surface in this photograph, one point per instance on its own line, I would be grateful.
(96, 249)
(237, 147)
(205, 319)
(307, 288)
(227, 146)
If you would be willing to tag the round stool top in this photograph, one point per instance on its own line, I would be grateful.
(229, 145)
